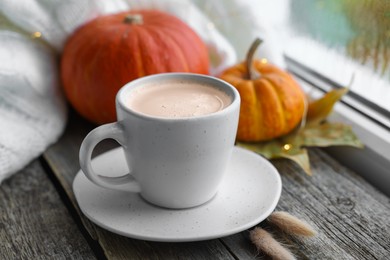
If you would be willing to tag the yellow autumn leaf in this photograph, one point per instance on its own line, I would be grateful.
(293, 146)
(319, 109)
(301, 158)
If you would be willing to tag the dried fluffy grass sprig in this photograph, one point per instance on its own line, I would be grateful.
(290, 224)
(266, 243)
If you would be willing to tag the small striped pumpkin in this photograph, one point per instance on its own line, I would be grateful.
(272, 102)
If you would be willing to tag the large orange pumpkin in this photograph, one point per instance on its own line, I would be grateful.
(272, 102)
(106, 53)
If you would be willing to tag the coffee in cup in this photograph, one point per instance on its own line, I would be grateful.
(177, 131)
(177, 98)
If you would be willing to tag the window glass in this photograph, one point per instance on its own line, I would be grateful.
(341, 38)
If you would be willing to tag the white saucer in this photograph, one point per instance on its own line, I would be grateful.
(248, 194)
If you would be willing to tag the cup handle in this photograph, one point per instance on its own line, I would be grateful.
(107, 131)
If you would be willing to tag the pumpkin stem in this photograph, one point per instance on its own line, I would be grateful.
(133, 19)
(252, 73)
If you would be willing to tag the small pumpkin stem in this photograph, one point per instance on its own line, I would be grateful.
(133, 19)
(252, 73)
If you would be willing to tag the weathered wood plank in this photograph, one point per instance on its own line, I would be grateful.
(63, 159)
(118, 247)
(241, 246)
(352, 218)
(34, 223)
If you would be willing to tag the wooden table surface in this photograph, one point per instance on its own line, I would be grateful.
(40, 218)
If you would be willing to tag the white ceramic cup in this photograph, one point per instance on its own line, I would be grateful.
(173, 162)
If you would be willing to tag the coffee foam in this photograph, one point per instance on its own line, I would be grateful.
(177, 99)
